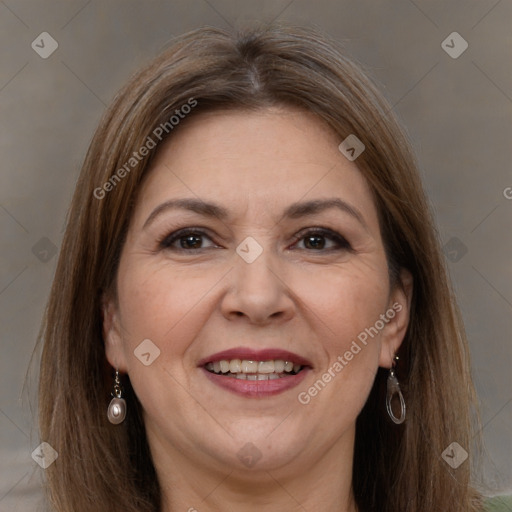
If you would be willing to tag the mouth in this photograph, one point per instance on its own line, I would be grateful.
(255, 373)
(246, 369)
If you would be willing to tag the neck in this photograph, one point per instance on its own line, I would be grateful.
(326, 483)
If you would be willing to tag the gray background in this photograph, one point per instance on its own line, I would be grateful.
(458, 112)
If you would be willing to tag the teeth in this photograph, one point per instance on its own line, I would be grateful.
(224, 366)
(266, 367)
(249, 366)
(279, 366)
(255, 376)
(253, 370)
(235, 366)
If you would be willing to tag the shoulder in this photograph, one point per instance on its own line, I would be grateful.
(498, 504)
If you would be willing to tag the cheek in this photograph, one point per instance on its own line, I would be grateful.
(350, 308)
(347, 301)
(161, 305)
(347, 308)
(168, 308)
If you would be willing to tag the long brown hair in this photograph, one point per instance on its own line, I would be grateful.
(102, 467)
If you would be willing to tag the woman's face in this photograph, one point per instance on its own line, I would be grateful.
(253, 240)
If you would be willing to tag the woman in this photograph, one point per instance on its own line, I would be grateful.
(251, 308)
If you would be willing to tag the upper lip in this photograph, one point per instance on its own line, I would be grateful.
(250, 354)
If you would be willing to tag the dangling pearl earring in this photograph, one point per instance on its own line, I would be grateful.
(116, 412)
(394, 389)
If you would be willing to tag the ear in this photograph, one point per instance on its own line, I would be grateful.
(398, 314)
(111, 327)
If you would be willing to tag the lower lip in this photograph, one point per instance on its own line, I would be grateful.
(257, 388)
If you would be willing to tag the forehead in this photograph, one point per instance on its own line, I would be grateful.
(257, 159)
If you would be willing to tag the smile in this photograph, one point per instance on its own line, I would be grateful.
(254, 370)
(255, 373)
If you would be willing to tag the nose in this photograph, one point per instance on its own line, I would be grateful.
(258, 292)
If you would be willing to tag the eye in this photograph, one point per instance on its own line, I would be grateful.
(187, 239)
(315, 239)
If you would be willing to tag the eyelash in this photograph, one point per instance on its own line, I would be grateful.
(342, 244)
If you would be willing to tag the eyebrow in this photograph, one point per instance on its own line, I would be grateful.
(294, 211)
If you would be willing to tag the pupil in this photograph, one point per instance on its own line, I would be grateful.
(189, 241)
(319, 241)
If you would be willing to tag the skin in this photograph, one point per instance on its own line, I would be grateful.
(310, 299)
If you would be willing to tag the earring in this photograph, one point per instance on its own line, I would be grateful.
(394, 389)
(116, 411)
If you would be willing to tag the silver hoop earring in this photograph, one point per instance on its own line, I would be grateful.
(394, 389)
(116, 412)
